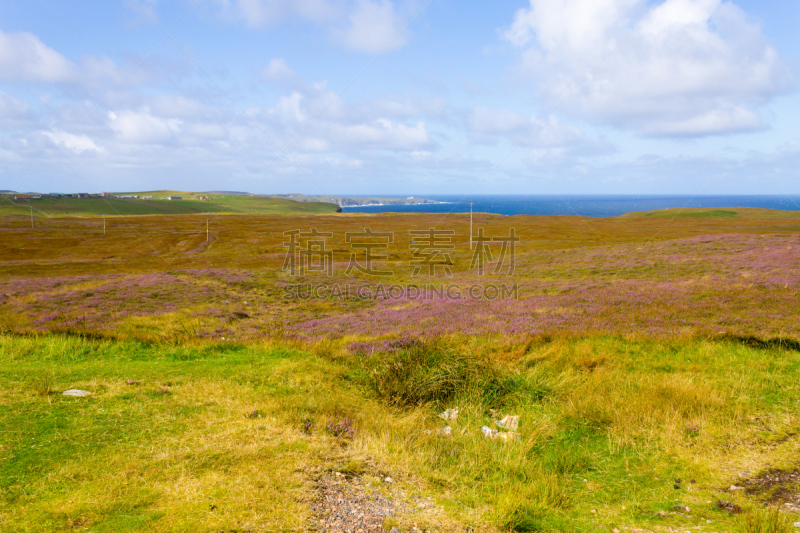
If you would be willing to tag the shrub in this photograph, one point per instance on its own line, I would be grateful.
(341, 426)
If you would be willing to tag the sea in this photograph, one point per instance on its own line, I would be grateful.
(583, 205)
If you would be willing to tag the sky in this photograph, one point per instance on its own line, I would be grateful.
(403, 97)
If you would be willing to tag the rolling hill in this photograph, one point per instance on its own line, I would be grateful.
(191, 203)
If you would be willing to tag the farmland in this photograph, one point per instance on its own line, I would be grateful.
(652, 358)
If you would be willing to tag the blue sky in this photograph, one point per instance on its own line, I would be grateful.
(401, 96)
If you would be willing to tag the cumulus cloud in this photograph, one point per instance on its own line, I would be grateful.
(548, 139)
(76, 143)
(277, 70)
(683, 67)
(374, 27)
(141, 127)
(23, 57)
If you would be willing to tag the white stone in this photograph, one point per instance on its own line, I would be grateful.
(509, 422)
(76, 392)
(449, 414)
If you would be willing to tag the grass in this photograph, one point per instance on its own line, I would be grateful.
(232, 436)
(670, 361)
(191, 204)
(693, 213)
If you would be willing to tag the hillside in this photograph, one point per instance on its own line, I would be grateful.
(216, 203)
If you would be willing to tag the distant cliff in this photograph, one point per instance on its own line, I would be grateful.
(353, 201)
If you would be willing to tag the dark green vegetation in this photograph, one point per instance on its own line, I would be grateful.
(214, 437)
(191, 203)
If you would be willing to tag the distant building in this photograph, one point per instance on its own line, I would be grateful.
(22, 197)
(174, 197)
(36, 197)
(147, 197)
(83, 195)
(126, 196)
(108, 195)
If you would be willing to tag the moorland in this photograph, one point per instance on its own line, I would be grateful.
(653, 360)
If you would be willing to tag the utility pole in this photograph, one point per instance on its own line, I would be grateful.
(470, 225)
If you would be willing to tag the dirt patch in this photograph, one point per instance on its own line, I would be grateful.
(776, 486)
(348, 504)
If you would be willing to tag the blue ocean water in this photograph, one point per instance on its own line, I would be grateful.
(584, 205)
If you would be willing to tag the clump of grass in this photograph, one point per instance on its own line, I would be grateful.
(765, 521)
(43, 384)
(526, 511)
(436, 373)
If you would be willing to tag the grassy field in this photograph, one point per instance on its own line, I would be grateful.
(217, 203)
(653, 361)
(231, 437)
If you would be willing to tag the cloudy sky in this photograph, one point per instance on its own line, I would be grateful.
(401, 96)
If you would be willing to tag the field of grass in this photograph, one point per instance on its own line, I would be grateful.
(217, 203)
(231, 437)
(654, 363)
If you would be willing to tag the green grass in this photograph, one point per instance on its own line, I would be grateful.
(191, 204)
(607, 427)
(693, 213)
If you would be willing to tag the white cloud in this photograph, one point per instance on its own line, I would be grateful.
(23, 57)
(288, 107)
(374, 27)
(141, 127)
(76, 143)
(258, 13)
(382, 134)
(685, 67)
(277, 70)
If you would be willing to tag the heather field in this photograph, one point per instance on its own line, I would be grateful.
(652, 359)
(649, 276)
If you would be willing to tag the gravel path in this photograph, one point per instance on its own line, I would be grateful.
(350, 507)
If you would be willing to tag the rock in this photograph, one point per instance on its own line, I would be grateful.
(797, 524)
(682, 508)
(509, 422)
(449, 414)
(744, 474)
(729, 507)
(387, 479)
(662, 514)
(615, 530)
(505, 436)
(446, 431)
(76, 392)
(735, 487)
